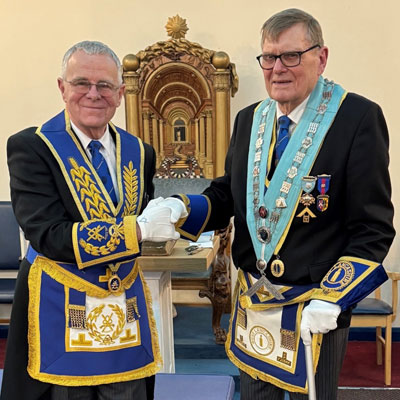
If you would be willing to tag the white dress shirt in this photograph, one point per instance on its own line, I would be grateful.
(294, 116)
(107, 151)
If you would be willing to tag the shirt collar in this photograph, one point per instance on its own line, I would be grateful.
(296, 114)
(105, 140)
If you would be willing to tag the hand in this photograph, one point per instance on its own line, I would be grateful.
(156, 226)
(318, 317)
(177, 207)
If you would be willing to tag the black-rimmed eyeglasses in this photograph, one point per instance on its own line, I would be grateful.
(288, 59)
(83, 86)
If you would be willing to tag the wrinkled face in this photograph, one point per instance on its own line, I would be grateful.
(289, 86)
(91, 112)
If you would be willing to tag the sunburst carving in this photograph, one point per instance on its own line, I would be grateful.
(176, 27)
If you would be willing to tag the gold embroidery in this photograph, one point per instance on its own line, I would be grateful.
(90, 195)
(95, 233)
(242, 318)
(132, 311)
(129, 337)
(77, 316)
(283, 359)
(131, 190)
(108, 337)
(288, 339)
(81, 341)
(116, 232)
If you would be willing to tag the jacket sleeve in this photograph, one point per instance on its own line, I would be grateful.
(369, 210)
(47, 214)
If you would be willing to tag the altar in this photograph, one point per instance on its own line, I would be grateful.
(157, 273)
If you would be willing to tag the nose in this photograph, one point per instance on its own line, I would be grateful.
(93, 92)
(278, 67)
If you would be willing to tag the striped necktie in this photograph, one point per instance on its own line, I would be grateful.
(100, 165)
(283, 137)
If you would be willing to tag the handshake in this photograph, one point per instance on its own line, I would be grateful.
(156, 223)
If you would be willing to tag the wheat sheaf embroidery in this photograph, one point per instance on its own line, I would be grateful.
(131, 190)
(90, 195)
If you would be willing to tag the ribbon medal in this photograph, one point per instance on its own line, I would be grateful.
(323, 187)
(308, 185)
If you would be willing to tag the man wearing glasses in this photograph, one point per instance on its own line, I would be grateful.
(82, 325)
(306, 179)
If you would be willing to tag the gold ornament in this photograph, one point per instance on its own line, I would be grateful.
(176, 27)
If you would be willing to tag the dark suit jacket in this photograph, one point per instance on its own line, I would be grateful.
(359, 219)
(46, 211)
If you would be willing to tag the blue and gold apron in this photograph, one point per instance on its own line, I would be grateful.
(91, 322)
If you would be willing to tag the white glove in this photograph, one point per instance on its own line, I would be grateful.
(177, 207)
(156, 226)
(318, 317)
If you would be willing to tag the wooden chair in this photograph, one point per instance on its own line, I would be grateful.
(375, 312)
(10, 252)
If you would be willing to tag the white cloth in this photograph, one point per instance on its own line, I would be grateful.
(177, 207)
(156, 226)
(318, 317)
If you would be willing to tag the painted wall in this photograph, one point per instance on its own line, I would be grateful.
(362, 36)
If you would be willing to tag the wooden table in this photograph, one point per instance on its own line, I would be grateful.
(157, 273)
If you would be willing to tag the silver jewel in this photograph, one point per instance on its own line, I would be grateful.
(264, 234)
(261, 264)
(256, 171)
(263, 281)
(280, 202)
(313, 127)
(292, 172)
(322, 108)
(307, 142)
(285, 187)
(299, 157)
(274, 218)
(257, 156)
(259, 142)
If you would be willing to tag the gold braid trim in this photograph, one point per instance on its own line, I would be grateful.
(34, 278)
(153, 328)
(90, 195)
(131, 190)
(256, 374)
(73, 281)
(34, 281)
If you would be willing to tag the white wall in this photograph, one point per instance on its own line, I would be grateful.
(362, 36)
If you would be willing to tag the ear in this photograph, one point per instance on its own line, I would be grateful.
(323, 59)
(61, 86)
(121, 92)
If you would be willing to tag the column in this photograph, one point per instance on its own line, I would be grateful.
(196, 138)
(161, 131)
(209, 167)
(156, 141)
(202, 136)
(131, 79)
(146, 127)
(221, 86)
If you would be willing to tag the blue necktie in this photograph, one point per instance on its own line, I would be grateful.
(283, 137)
(100, 165)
